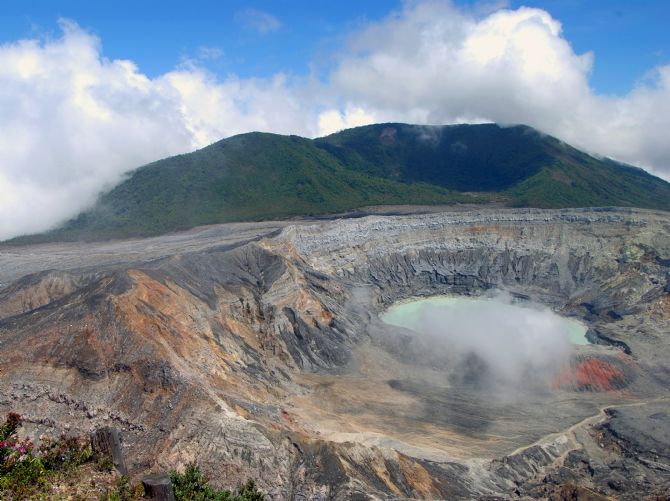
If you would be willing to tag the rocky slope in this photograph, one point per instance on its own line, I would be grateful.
(260, 354)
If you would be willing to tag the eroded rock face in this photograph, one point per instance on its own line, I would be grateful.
(266, 359)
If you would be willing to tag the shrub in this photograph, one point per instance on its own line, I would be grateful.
(25, 468)
(23, 476)
(20, 469)
(192, 485)
(248, 492)
(64, 453)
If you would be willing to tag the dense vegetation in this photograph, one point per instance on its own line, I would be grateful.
(67, 468)
(462, 157)
(520, 165)
(260, 176)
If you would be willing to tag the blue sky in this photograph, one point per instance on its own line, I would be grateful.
(627, 38)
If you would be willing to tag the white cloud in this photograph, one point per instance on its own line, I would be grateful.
(433, 63)
(72, 122)
(258, 20)
(332, 120)
(211, 110)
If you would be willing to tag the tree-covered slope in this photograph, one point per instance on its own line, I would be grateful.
(248, 177)
(521, 163)
(259, 176)
(483, 157)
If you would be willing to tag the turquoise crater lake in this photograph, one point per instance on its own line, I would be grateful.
(455, 310)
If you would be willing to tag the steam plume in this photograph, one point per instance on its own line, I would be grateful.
(492, 343)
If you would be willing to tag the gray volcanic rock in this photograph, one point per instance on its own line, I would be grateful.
(259, 352)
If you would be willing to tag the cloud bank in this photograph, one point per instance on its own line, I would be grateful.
(73, 122)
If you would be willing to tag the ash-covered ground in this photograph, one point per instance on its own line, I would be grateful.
(257, 350)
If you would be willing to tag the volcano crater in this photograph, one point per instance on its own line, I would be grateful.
(261, 352)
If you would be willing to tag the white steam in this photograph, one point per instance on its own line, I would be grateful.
(491, 342)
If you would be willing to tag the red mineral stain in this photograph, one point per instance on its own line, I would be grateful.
(593, 374)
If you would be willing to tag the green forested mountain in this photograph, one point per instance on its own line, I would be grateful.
(259, 176)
